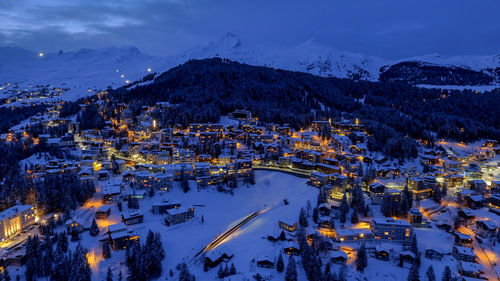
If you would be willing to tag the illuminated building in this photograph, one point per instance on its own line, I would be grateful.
(159, 181)
(179, 215)
(352, 234)
(420, 187)
(392, 229)
(15, 219)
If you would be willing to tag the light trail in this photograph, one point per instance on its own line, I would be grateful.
(221, 238)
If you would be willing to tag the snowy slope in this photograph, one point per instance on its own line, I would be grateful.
(97, 69)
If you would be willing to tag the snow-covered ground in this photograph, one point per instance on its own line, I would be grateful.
(220, 211)
(479, 89)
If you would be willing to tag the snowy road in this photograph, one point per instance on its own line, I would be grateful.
(484, 260)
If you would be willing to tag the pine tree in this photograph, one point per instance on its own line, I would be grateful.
(280, 266)
(94, 229)
(184, 181)
(343, 273)
(408, 198)
(321, 196)
(354, 216)
(232, 270)
(344, 208)
(106, 250)
(444, 191)
(362, 258)
(446, 274)
(120, 276)
(303, 218)
(436, 192)
(315, 215)
(413, 274)
(220, 273)
(431, 276)
(30, 270)
(62, 243)
(291, 270)
(414, 245)
(5, 275)
(109, 275)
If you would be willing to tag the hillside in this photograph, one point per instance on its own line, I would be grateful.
(206, 89)
(89, 70)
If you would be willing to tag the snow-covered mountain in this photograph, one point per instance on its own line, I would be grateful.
(97, 69)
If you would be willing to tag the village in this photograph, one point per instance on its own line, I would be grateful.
(232, 199)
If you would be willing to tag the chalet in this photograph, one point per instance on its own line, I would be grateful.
(325, 247)
(103, 212)
(111, 193)
(463, 254)
(463, 240)
(291, 251)
(415, 216)
(319, 179)
(433, 254)
(128, 175)
(288, 227)
(179, 215)
(407, 257)
(493, 200)
(339, 257)
(474, 201)
(469, 269)
(102, 175)
(382, 253)
(467, 216)
(162, 208)
(376, 191)
(132, 218)
(265, 263)
(74, 224)
(485, 228)
(119, 236)
(214, 258)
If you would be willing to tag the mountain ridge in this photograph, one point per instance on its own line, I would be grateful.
(116, 66)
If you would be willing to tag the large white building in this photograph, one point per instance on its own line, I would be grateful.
(14, 219)
(392, 229)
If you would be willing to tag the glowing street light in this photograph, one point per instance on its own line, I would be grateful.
(122, 76)
(149, 69)
(127, 81)
(41, 54)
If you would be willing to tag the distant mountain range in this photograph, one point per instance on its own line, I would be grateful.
(99, 68)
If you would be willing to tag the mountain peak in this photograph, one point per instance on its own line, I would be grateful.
(226, 41)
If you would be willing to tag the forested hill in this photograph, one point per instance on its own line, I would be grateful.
(414, 72)
(208, 88)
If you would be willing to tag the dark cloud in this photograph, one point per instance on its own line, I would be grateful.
(385, 28)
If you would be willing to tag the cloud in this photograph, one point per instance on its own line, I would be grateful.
(384, 28)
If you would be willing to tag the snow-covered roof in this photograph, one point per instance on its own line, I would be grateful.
(14, 210)
(117, 227)
(464, 251)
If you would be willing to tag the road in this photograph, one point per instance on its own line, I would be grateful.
(429, 213)
(484, 260)
(295, 172)
(220, 239)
